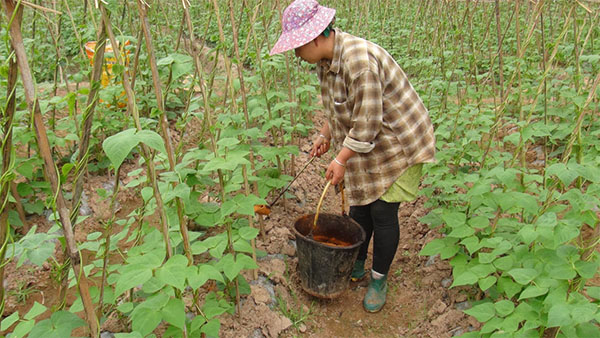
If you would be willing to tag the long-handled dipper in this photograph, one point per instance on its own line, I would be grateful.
(263, 209)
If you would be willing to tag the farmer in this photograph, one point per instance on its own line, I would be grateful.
(380, 129)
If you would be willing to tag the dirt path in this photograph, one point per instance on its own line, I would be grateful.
(419, 302)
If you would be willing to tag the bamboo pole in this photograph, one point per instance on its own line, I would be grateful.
(500, 59)
(49, 165)
(7, 164)
(132, 108)
(248, 126)
(233, 100)
(164, 124)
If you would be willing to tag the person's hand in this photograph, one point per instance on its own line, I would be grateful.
(335, 172)
(320, 146)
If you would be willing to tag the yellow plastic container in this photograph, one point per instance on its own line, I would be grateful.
(109, 62)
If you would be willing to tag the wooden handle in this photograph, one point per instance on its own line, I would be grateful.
(319, 205)
(343, 198)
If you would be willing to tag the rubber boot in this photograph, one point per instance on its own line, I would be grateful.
(358, 272)
(376, 293)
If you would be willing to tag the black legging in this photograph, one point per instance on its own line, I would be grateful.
(382, 218)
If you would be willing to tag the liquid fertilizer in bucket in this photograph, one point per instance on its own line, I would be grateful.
(326, 253)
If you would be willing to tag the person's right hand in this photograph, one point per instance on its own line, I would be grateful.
(320, 146)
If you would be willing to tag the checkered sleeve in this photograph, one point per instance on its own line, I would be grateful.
(367, 113)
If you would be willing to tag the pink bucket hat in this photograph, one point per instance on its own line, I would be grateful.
(302, 22)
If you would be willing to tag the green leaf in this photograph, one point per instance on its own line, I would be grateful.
(245, 261)
(228, 142)
(196, 323)
(479, 222)
(454, 218)
(559, 315)
(481, 270)
(197, 276)
(174, 313)
(511, 324)
(533, 291)
(593, 291)
(199, 248)
(504, 307)
(174, 272)
(586, 269)
(67, 321)
(433, 248)
(528, 234)
(583, 313)
(23, 328)
(242, 245)
(36, 310)
(248, 233)
(564, 174)
(230, 269)
(461, 231)
(147, 193)
(465, 278)
(449, 250)
(132, 276)
(152, 285)
(482, 312)
(125, 307)
(94, 236)
(118, 146)
(492, 325)
(8, 321)
(487, 282)
(486, 257)
(241, 204)
(504, 263)
(43, 329)
(561, 270)
(588, 330)
(211, 329)
(507, 286)
(472, 244)
(151, 139)
(523, 276)
(145, 320)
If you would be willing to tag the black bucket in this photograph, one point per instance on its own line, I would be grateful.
(325, 269)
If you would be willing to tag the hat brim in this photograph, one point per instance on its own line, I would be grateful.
(305, 34)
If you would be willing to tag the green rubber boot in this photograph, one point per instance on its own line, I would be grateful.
(358, 272)
(376, 293)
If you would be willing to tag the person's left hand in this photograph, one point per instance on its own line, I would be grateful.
(335, 172)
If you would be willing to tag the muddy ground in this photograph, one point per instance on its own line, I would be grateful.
(420, 303)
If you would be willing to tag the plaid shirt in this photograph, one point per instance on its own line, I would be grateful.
(373, 110)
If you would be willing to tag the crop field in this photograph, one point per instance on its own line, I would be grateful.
(139, 135)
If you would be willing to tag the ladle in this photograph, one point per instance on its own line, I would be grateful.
(262, 209)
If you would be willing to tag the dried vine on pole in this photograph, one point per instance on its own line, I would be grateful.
(88, 117)
(49, 165)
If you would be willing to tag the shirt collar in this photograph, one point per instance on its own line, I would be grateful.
(333, 65)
